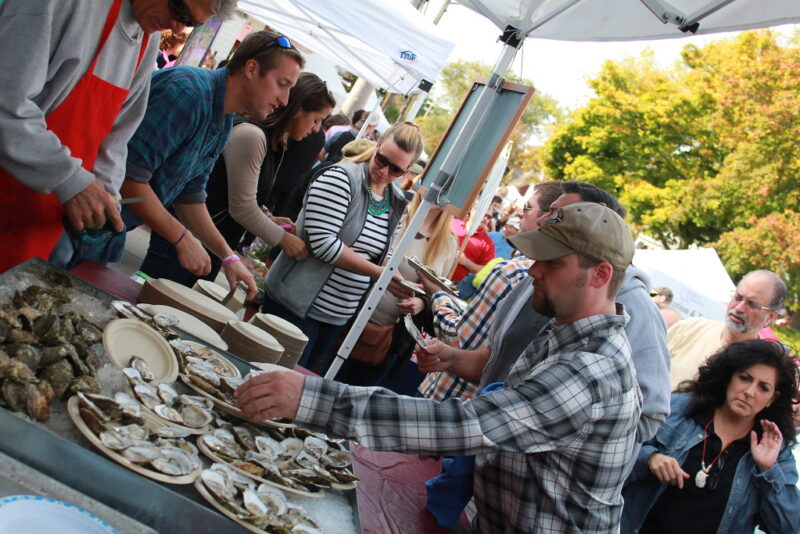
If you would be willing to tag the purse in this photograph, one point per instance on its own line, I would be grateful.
(372, 346)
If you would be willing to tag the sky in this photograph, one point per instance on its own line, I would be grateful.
(558, 68)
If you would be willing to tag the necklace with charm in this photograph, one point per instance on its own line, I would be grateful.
(701, 476)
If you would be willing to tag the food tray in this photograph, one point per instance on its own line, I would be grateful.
(424, 271)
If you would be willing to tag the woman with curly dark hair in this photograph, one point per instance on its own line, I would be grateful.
(721, 462)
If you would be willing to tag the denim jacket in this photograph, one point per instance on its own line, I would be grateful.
(770, 499)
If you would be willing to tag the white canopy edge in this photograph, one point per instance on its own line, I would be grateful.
(386, 42)
(630, 20)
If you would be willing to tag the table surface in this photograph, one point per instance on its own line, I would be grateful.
(391, 492)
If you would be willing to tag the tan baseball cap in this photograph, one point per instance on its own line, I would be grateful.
(586, 228)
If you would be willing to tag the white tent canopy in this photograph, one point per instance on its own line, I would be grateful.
(386, 42)
(630, 20)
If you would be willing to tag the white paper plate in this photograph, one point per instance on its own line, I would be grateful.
(194, 300)
(255, 334)
(189, 324)
(30, 513)
(125, 338)
(280, 324)
(211, 289)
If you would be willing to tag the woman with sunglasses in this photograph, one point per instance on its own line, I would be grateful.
(349, 218)
(243, 177)
(721, 462)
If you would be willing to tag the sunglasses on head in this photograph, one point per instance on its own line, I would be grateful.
(383, 161)
(280, 42)
(180, 13)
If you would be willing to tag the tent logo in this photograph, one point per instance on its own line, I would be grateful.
(408, 56)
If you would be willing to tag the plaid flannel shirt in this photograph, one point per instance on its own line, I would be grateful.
(470, 329)
(183, 132)
(551, 447)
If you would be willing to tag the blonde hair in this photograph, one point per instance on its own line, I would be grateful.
(406, 135)
(440, 230)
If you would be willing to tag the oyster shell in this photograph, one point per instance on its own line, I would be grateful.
(218, 485)
(268, 446)
(168, 412)
(169, 431)
(273, 498)
(337, 459)
(141, 454)
(114, 440)
(167, 393)
(128, 311)
(315, 446)
(133, 431)
(254, 504)
(147, 395)
(195, 417)
(174, 461)
(143, 367)
(88, 332)
(290, 448)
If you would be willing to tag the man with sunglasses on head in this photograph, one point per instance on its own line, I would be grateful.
(75, 85)
(187, 124)
(753, 306)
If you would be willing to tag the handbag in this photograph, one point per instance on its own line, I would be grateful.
(372, 345)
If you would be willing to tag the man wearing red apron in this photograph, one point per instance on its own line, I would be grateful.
(76, 78)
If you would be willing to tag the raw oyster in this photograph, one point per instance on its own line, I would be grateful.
(254, 504)
(88, 332)
(168, 412)
(141, 454)
(315, 446)
(337, 459)
(178, 443)
(167, 393)
(273, 498)
(169, 431)
(133, 431)
(143, 367)
(194, 416)
(14, 395)
(114, 440)
(128, 311)
(174, 461)
(147, 395)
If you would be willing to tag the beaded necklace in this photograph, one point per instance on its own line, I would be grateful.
(702, 473)
(379, 207)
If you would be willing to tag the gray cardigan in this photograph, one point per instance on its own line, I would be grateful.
(296, 284)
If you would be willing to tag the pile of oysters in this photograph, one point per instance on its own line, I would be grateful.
(47, 350)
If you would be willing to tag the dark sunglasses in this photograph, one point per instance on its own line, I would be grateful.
(383, 161)
(180, 13)
(280, 42)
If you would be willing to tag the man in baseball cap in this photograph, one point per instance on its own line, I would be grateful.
(568, 410)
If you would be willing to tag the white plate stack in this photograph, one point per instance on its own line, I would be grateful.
(169, 293)
(251, 343)
(293, 339)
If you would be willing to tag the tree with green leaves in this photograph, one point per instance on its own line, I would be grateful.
(705, 153)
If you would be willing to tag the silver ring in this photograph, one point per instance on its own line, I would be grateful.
(776, 438)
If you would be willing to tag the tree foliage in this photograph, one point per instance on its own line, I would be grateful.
(704, 153)
(454, 83)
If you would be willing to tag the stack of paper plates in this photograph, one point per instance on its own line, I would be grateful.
(218, 293)
(169, 293)
(188, 324)
(293, 339)
(251, 343)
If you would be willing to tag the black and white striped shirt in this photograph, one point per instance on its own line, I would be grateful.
(325, 210)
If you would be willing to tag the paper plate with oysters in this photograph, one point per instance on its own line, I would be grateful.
(137, 440)
(257, 507)
(301, 466)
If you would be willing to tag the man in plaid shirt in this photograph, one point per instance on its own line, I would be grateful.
(468, 329)
(552, 446)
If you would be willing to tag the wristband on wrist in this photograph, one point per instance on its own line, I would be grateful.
(183, 234)
(230, 259)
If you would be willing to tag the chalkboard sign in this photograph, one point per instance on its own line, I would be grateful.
(471, 172)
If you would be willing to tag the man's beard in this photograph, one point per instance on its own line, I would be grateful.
(739, 328)
(543, 304)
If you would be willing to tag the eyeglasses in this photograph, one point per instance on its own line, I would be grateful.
(280, 42)
(383, 161)
(180, 13)
(736, 297)
(527, 207)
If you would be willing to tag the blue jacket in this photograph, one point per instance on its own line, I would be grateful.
(770, 498)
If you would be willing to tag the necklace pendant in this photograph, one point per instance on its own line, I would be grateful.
(700, 479)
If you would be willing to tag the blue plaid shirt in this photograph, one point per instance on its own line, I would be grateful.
(183, 132)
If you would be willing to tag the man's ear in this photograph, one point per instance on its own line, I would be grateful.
(603, 272)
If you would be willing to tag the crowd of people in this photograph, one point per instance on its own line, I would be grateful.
(574, 394)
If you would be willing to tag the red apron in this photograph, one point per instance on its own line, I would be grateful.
(30, 222)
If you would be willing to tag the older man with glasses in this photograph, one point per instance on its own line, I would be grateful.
(753, 306)
(75, 86)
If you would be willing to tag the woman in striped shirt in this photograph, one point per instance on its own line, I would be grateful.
(349, 219)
